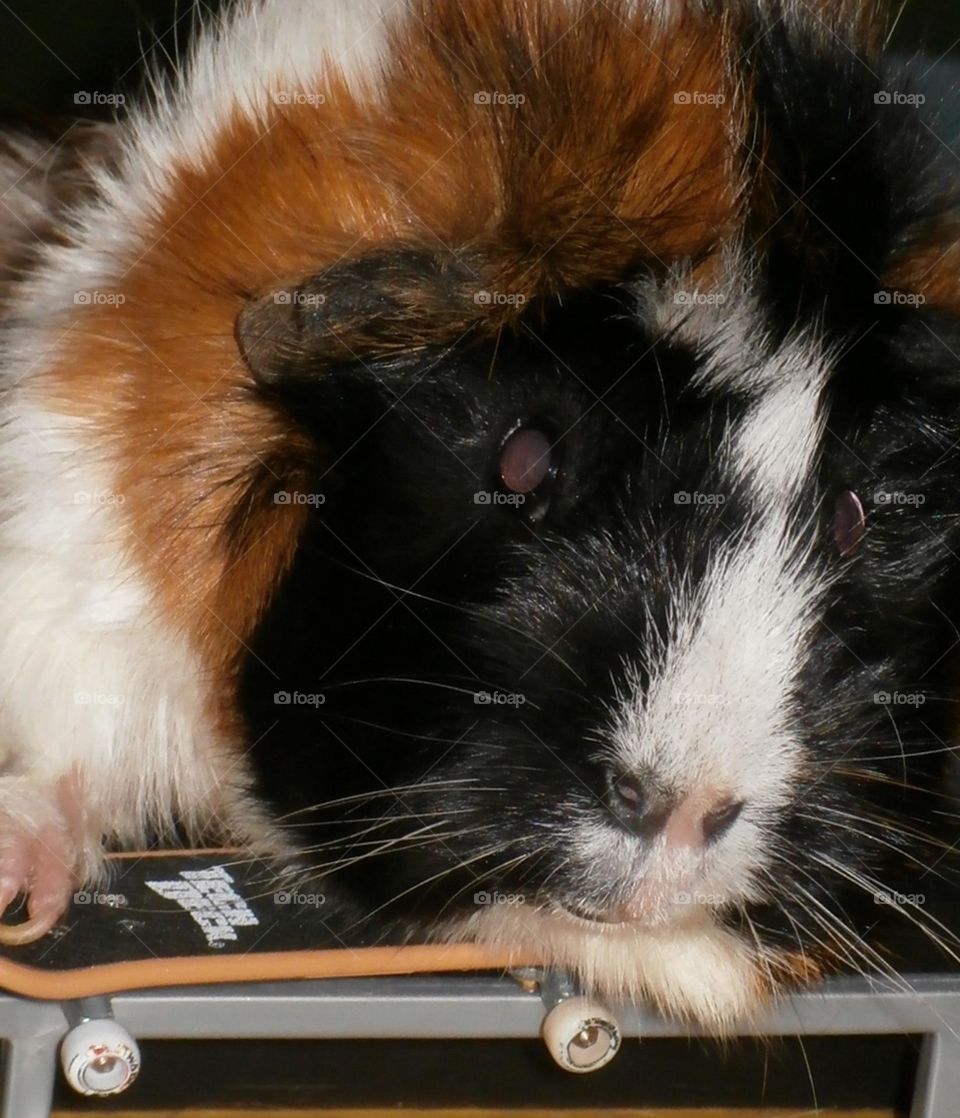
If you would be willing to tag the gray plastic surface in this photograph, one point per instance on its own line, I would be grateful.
(443, 1007)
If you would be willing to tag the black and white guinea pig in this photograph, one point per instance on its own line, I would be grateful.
(505, 456)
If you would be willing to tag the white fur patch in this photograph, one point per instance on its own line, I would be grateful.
(722, 323)
(776, 450)
(93, 682)
(776, 447)
(717, 715)
(696, 972)
(261, 52)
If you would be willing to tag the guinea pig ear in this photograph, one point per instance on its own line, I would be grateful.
(390, 301)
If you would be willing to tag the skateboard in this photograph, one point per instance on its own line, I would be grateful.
(212, 917)
(199, 918)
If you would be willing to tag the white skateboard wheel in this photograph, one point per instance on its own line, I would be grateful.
(99, 1058)
(581, 1035)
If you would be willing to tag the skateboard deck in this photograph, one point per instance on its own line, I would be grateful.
(202, 917)
(186, 918)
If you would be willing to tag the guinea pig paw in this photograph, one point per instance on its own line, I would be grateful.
(38, 866)
(38, 859)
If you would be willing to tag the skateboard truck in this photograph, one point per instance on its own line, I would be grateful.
(98, 1055)
(581, 1034)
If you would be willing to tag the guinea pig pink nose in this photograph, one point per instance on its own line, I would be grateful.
(720, 819)
(699, 820)
(645, 808)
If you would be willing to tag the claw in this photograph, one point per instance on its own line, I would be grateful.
(16, 935)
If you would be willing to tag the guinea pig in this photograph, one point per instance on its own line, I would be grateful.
(501, 459)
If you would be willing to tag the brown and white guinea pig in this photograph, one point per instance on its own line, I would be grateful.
(497, 452)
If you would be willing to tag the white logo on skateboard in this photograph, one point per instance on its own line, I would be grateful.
(209, 897)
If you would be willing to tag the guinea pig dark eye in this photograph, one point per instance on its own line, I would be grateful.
(527, 460)
(849, 524)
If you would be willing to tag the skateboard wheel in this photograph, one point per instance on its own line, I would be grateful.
(581, 1035)
(99, 1058)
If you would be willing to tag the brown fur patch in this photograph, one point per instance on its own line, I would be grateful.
(931, 272)
(793, 969)
(542, 146)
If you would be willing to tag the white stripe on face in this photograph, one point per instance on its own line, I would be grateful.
(717, 714)
(776, 451)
